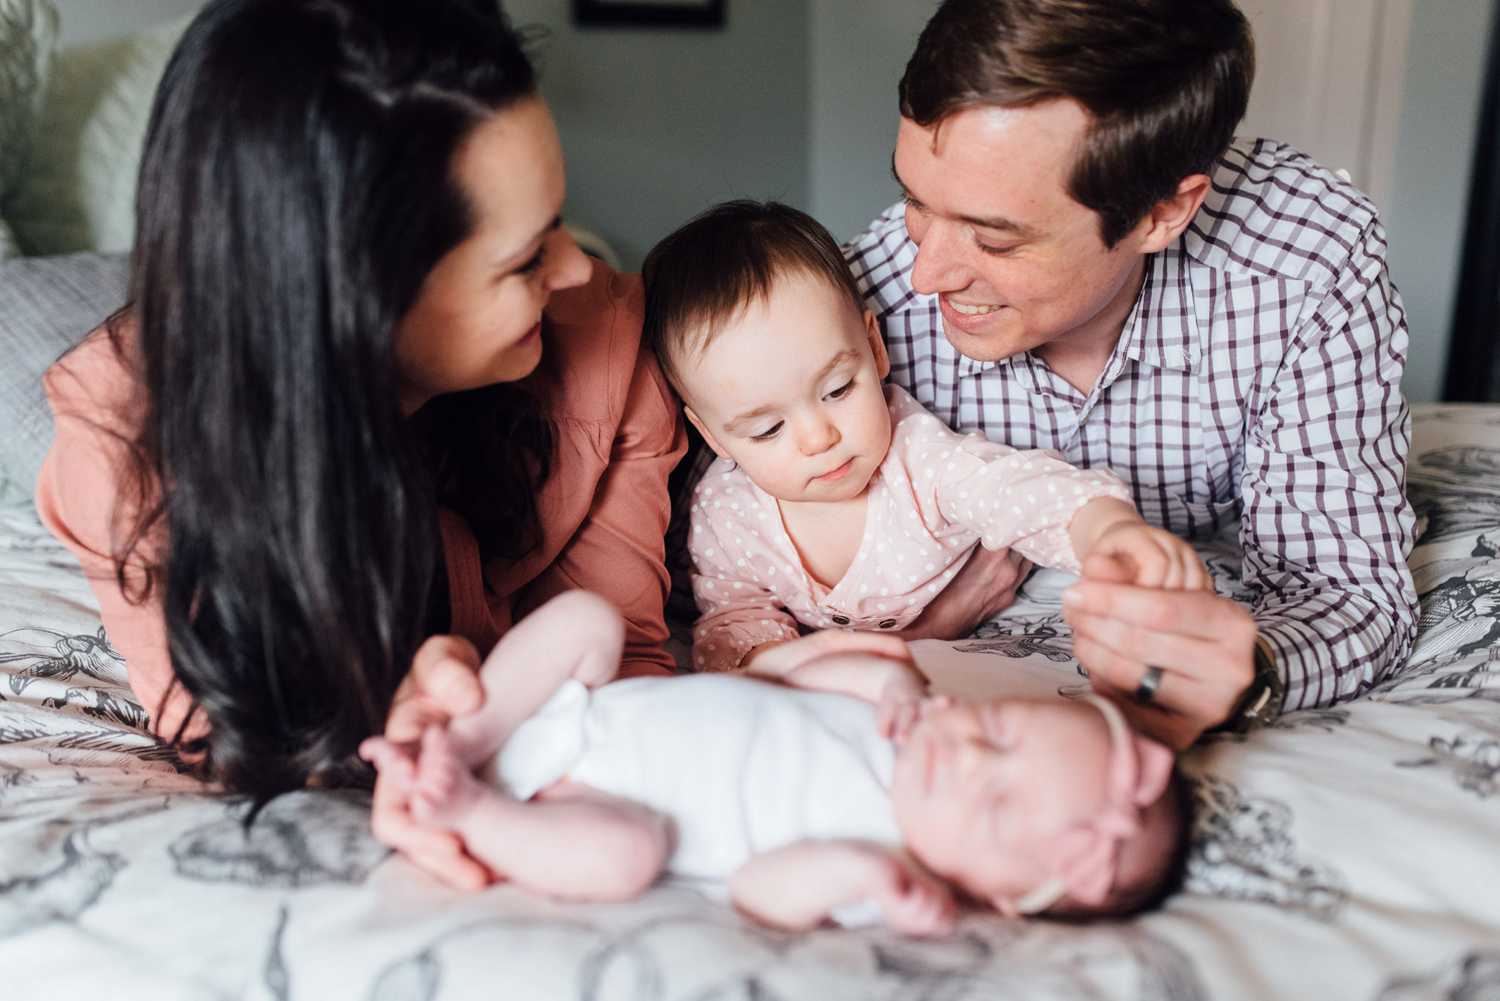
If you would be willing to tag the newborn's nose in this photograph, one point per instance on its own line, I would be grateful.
(967, 755)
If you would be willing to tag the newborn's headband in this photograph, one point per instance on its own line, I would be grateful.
(1121, 816)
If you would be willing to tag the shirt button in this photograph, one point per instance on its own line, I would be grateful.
(887, 623)
(841, 620)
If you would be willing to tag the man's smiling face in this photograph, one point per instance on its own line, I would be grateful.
(1015, 261)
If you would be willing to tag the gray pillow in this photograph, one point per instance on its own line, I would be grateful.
(47, 304)
(28, 29)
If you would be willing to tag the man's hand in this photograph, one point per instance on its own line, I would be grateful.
(441, 684)
(1204, 644)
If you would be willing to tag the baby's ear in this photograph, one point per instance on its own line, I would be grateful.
(1157, 763)
(877, 345)
(708, 437)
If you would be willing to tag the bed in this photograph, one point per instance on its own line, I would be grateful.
(1350, 852)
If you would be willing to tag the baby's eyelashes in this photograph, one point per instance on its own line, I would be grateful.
(768, 433)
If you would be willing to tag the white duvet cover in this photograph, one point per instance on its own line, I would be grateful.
(1351, 852)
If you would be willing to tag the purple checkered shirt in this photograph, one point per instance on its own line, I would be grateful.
(1257, 379)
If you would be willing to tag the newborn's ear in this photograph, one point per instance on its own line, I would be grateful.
(1156, 770)
(1086, 863)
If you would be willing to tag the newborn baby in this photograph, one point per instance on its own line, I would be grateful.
(836, 792)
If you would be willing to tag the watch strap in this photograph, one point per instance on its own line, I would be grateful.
(1261, 701)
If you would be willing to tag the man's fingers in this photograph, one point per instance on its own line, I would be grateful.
(1187, 655)
(1195, 575)
(1160, 724)
(1176, 692)
(1200, 614)
(1108, 567)
(1173, 576)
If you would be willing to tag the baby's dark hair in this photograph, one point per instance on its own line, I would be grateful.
(705, 273)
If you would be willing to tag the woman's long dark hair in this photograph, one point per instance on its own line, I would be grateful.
(297, 186)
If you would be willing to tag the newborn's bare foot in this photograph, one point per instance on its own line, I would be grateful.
(444, 790)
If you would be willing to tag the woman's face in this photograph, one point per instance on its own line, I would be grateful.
(477, 319)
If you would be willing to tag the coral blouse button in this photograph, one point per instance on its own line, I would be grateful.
(887, 623)
(842, 620)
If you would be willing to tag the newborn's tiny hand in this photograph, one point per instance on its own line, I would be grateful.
(916, 903)
(896, 719)
(901, 702)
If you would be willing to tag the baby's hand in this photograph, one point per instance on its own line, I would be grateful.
(900, 706)
(914, 902)
(1152, 557)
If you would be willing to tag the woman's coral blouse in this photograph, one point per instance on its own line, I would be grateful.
(604, 509)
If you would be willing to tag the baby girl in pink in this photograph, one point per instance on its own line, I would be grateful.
(839, 502)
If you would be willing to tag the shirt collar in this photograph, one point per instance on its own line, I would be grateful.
(1161, 330)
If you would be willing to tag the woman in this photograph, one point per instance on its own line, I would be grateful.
(334, 445)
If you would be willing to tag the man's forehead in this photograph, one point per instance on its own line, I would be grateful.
(992, 162)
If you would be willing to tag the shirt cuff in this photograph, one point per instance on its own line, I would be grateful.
(1303, 658)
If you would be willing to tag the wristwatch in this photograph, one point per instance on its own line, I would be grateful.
(1261, 701)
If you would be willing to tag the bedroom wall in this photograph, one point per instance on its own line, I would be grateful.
(708, 135)
(855, 64)
(659, 124)
(85, 21)
(817, 127)
(1433, 167)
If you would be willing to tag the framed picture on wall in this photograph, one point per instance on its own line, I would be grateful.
(656, 13)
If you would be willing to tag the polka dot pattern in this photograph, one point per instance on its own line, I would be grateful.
(936, 496)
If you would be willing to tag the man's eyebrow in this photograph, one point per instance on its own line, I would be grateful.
(734, 423)
(999, 223)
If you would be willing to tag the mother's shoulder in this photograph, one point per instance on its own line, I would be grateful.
(97, 377)
(592, 344)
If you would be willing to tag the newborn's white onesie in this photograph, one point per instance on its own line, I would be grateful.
(742, 767)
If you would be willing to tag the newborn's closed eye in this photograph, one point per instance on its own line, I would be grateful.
(1000, 731)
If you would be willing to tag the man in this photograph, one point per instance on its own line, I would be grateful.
(1084, 262)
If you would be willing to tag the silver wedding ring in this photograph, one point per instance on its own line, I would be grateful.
(1145, 692)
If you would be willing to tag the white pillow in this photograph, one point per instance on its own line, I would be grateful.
(79, 191)
(28, 31)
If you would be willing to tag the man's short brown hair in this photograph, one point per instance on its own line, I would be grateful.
(1165, 83)
(703, 275)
